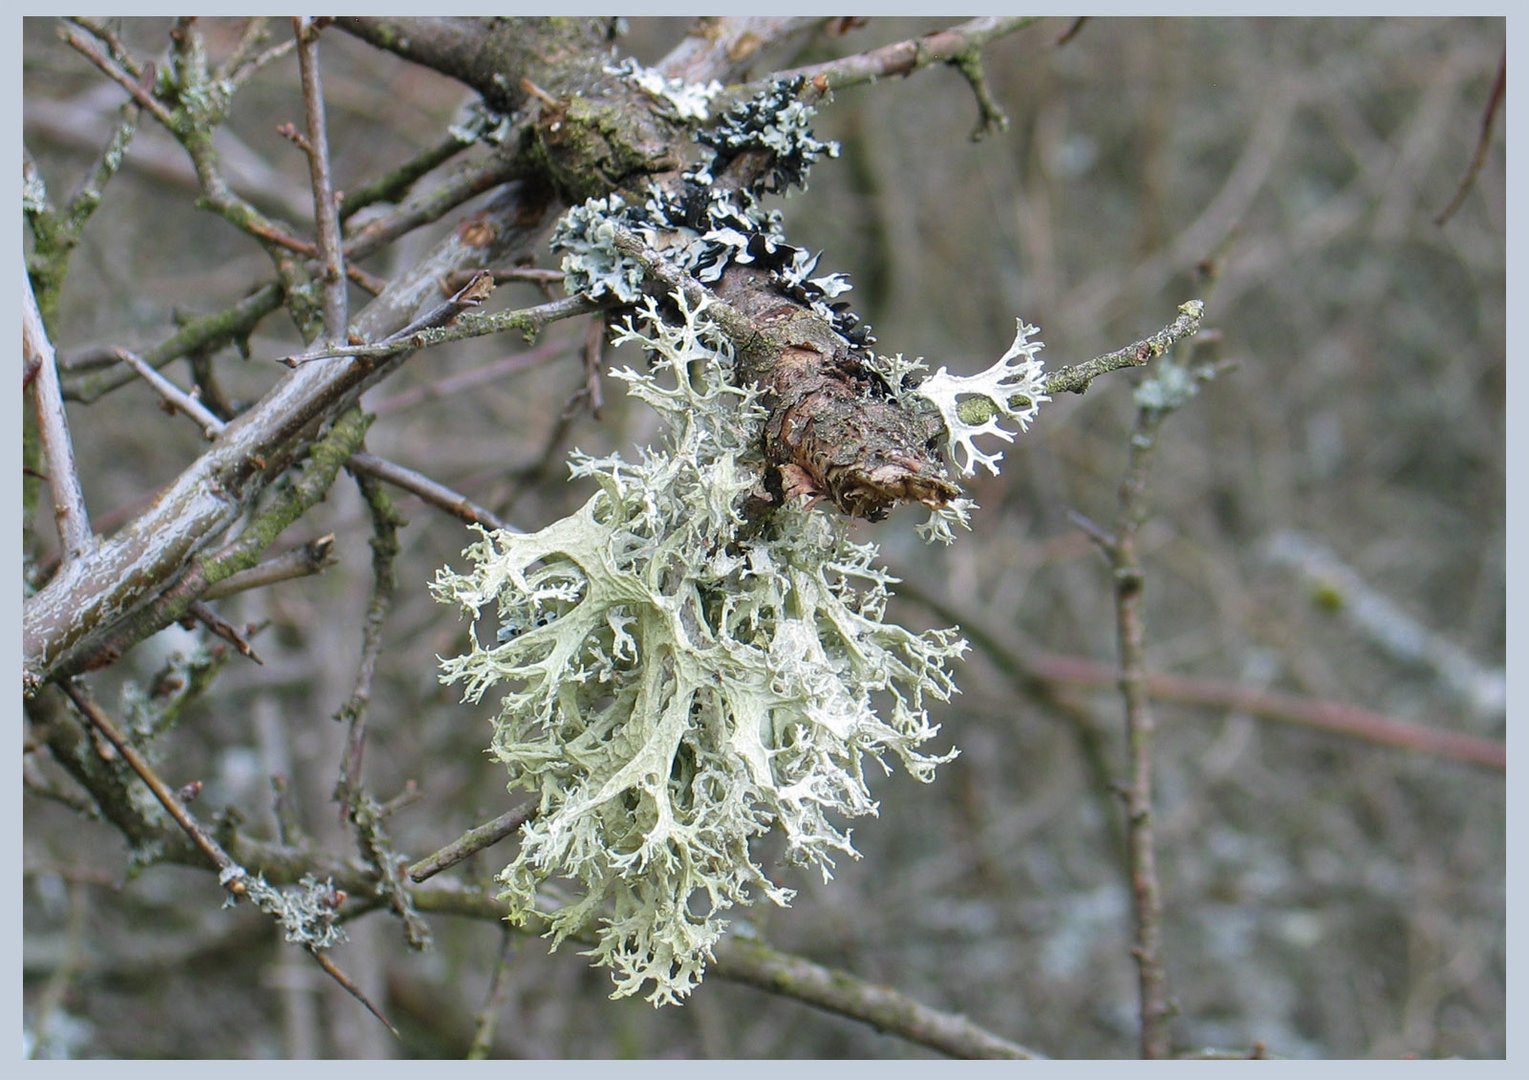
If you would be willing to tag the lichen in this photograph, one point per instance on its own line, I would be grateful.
(675, 694)
(970, 405)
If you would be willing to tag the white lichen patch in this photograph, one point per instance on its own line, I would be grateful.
(970, 405)
(673, 693)
(685, 100)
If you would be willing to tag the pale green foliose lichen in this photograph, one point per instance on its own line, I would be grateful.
(678, 697)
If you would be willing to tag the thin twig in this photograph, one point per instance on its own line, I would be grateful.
(174, 396)
(386, 522)
(395, 185)
(200, 334)
(906, 57)
(69, 510)
(1483, 143)
(472, 378)
(222, 628)
(352, 989)
(1335, 717)
(331, 248)
(443, 314)
(991, 116)
(1075, 380)
(1072, 31)
(1156, 399)
(421, 208)
(471, 842)
(529, 321)
(535, 274)
(594, 364)
(231, 874)
(433, 492)
(493, 1001)
(756, 964)
(114, 71)
(367, 464)
(311, 558)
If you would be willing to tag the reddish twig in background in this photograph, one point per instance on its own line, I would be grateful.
(472, 378)
(1483, 143)
(53, 429)
(1331, 716)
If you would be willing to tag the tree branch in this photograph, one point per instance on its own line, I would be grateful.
(905, 57)
(1076, 379)
(69, 511)
(331, 249)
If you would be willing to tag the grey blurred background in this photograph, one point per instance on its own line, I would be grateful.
(1328, 523)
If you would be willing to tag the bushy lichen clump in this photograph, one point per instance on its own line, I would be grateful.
(673, 693)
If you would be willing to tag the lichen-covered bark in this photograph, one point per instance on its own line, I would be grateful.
(593, 132)
(833, 431)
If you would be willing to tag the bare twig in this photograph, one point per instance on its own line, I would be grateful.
(434, 493)
(1072, 31)
(754, 963)
(992, 118)
(352, 989)
(493, 1001)
(114, 70)
(1335, 717)
(196, 335)
(456, 187)
(1170, 387)
(174, 396)
(1075, 380)
(441, 315)
(472, 378)
(231, 875)
(471, 842)
(224, 629)
(326, 216)
(425, 331)
(534, 274)
(594, 364)
(69, 510)
(906, 57)
(366, 464)
(244, 61)
(386, 522)
(234, 878)
(311, 558)
(1483, 143)
(394, 185)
